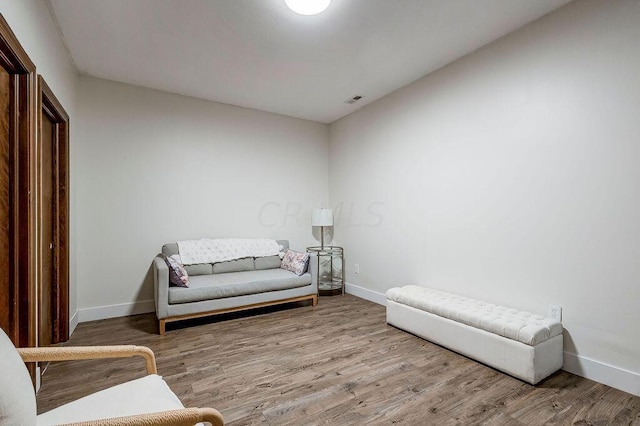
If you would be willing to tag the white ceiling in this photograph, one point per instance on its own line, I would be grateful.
(259, 54)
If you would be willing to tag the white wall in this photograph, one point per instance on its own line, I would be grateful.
(155, 167)
(512, 176)
(33, 26)
(35, 29)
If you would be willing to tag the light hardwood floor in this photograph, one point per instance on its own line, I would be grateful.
(338, 364)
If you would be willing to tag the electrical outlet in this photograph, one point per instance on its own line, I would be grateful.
(356, 268)
(555, 312)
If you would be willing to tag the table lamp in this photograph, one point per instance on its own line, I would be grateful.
(322, 218)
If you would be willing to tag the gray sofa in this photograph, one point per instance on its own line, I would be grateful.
(229, 286)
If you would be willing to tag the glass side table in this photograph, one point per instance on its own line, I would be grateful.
(330, 269)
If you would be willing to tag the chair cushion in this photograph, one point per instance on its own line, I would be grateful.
(146, 395)
(17, 397)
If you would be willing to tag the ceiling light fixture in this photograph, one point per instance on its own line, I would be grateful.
(308, 7)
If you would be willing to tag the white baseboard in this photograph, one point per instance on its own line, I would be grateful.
(73, 323)
(609, 375)
(113, 311)
(365, 293)
(625, 380)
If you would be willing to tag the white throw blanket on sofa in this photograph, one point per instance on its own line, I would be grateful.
(207, 250)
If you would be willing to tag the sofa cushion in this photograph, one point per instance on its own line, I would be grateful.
(245, 264)
(217, 286)
(199, 269)
(170, 249)
(267, 262)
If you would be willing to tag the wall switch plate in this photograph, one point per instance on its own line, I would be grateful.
(356, 268)
(555, 312)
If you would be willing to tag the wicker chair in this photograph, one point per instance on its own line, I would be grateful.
(144, 401)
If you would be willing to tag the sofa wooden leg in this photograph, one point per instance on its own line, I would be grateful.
(314, 300)
(161, 325)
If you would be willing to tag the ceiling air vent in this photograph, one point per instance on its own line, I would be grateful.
(353, 100)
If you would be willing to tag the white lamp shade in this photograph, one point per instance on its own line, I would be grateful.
(322, 217)
(308, 7)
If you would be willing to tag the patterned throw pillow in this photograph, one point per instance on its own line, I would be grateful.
(295, 262)
(177, 274)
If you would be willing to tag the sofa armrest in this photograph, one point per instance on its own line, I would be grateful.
(313, 270)
(161, 287)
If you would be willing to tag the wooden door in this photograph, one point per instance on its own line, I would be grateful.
(6, 298)
(53, 295)
(47, 271)
(17, 189)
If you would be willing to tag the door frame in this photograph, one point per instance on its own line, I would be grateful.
(21, 327)
(49, 104)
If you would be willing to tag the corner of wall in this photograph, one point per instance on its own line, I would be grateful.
(73, 323)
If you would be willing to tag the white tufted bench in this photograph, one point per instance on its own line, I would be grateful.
(522, 344)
